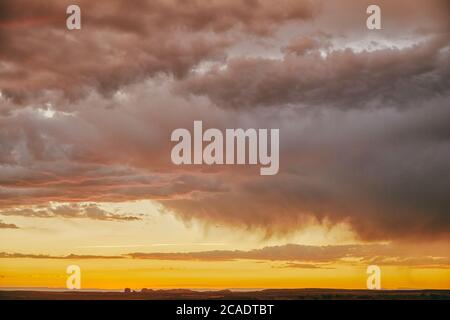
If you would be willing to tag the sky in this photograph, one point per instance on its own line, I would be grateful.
(86, 117)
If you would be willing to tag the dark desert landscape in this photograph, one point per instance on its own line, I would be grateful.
(268, 294)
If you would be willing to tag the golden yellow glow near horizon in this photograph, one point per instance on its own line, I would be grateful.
(163, 232)
(241, 274)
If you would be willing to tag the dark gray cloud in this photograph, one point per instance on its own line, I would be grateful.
(377, 170)
(342, 79)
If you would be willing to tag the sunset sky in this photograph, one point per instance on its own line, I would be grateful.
(86, 116)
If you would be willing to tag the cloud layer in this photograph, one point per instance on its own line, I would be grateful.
(292, 255)
(86, 116)
(69, 211)
(4, 225)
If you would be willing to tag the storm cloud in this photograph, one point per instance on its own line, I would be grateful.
(86, 116)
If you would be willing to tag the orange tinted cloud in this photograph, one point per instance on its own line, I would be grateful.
(69, 211)
(296, 256)
(86, 116)
(7, 225)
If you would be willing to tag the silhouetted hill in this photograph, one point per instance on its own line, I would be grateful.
(269, 294)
